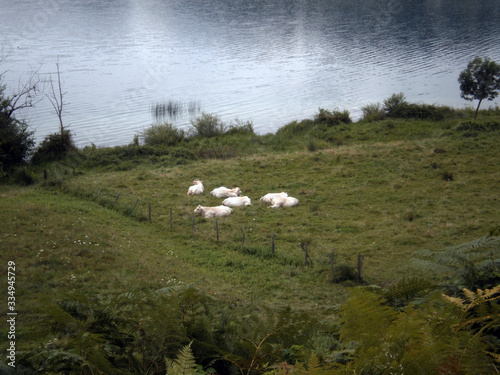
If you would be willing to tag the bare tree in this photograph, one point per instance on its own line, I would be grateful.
(26, 96)
(56, 98)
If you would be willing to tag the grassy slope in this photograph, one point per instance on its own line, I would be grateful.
(381, 194)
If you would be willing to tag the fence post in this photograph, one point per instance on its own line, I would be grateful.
(307, 257)
(332, 259)
(117, 196)
(243, 239)
(304, 247)
(135, 205)
(192, 223)
(272, 243)
(360, 268)
(217, 228)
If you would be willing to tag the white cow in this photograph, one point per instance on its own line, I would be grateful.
(209, 212)
(197, 188)
(284, 202)
(267, 198)
(237, 201)
(224, 192)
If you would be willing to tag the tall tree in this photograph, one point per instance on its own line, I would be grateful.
(480, 80)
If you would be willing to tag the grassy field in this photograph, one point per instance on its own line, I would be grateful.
(383, 190)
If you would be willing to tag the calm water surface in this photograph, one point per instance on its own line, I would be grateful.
(268, 61)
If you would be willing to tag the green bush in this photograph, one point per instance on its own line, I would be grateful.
(23, 176)
(373, 112)
(332, 118)
(394, 103)
(421, 111)
(16, 141)
(163, 134)
(344, 272)
(241, 127)
(479, 127)
(396, 106)
(54, 147)
(208, 126)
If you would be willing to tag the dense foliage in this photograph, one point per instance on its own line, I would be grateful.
(480, 80)
(54, 147)
(16, 140)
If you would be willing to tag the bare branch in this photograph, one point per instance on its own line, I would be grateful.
(26, 96)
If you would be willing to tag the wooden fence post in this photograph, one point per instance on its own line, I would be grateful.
(217, 228)
(307, 257)
(192, 223)
(243, 239)
(360, 268)
(272, 243)
(304, 247)
(332, 260)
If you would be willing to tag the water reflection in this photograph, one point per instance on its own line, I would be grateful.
(271, 61)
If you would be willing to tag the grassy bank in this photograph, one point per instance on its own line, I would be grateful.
(382, 189)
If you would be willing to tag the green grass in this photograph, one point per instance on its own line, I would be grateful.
(388, 189)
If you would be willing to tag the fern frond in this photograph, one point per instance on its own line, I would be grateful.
(494, 355)
(481, 296)
(185, 363)
(471, 296)
(406, 290)
(314, 365)
(456, 301)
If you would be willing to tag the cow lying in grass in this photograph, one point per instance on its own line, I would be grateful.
(267, 198)
(224, 192)
(208, 212)
(237, 201)
(284, 202)
(197, 188)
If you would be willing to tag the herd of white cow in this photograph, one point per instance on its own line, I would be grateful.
(233, 199)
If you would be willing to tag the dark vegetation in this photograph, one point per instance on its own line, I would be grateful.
(104, 290)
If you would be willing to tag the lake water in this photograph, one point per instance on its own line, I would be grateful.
(268, 61)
